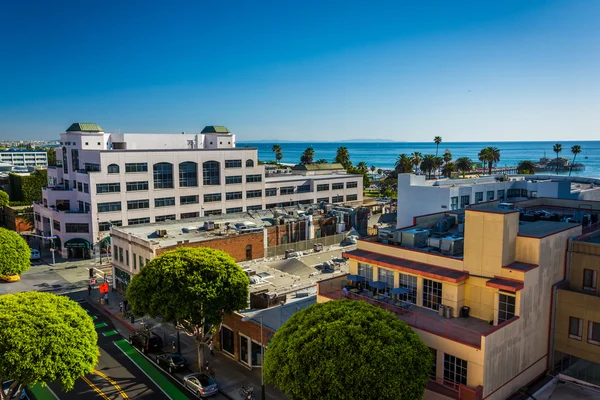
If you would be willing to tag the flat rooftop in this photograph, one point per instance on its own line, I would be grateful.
(540, 229)
(274, 317)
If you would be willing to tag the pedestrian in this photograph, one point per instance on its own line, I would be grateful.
(120, 306)
(125, 304)
(89, 290)
(106, 298)
(211, 347)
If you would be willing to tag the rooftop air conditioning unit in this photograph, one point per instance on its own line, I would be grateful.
(414, 237)
(161, 232)
(452, 245)
(188, 229)
(209, 225)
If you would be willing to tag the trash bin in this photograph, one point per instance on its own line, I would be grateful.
(441, 310)
(448, 312)
(464, 312)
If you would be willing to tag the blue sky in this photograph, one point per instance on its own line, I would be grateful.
(304, 70)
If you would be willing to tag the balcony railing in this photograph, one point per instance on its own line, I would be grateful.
(437, 326)
(56, 188)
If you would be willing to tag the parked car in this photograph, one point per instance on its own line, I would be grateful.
(35, 255)
(146, 341)
(170, 362)
(10, 277)
(201, 384)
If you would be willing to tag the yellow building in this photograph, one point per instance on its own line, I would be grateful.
(576, 334)
(492, 271)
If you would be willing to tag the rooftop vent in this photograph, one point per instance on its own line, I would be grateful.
(161, 232)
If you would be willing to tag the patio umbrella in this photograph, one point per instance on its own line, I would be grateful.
(399, 290)
(380, 285)
(356, 278)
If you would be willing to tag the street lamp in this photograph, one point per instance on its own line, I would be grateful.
(262, 356)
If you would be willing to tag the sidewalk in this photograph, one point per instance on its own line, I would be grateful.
(229, 374)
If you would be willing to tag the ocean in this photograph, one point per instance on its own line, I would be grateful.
(383, 154)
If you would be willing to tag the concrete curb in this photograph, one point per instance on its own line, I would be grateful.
(110, 314)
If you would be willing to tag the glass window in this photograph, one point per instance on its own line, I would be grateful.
(303, 189)
(188, 174)
(137, 186)
(136, 167)
(227, 340)
(211, 173)
(75, 159)
(183, 200)
(455, 371)
(323, 200)
(575, 328)
(127, 257)
(249, 252)
(366, 271)
(270, 192)
(134, 261)
(387, 276)
(409, 282)
(432, 294)
(506, 307)
(108, 188)
(501, 194)
(257, 207)
(352, 197)
(108, 207)
(56, 225)
(89, 167)
(113, 169)
(79, 187)
(189, 215)
(230, 180)
(234, 210)
(138, 221)
(162, 218)
(163, 176)
(138, 204)
(86, 188)
(589, 280)
(323, 187)
(337, 199)
(233, 163)
(164, 202)
(65, 161)
(233, 195)
(141, 261)
(350, 185)
(105, 226)
(212, 212)
(286, 190)
(490, 195)
(593, 333)
(77, 228)
(464, 201)
(337, 186)
(249, 163)
(251, 194)
(478, 197)
(433, 372)
(253, 178)
(212, 197)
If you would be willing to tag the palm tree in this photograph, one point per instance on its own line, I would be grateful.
(379, 171)
(448, 169)
(307, 156)
(557, 149)
(575, 150)
(526, 167)
(437, 140)
(321, 161)
(438, 163)
(416, 159)
(489, 155)
(428, 164)
(342, 156)
(447, 156)
(362, 167)
(464, 164)
(278, 154)
(373, 169)
(404, 164)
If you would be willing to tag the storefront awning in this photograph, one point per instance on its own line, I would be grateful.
(77, 243)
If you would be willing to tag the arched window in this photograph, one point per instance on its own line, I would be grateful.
(163, 176)
(249, 163)
(188, 174)
(249, 252)
(211, 173)
(113, 169)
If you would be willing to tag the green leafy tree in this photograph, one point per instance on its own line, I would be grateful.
(575, 150)
(379, 171)
(489, 155)
(464, 164)
(4, 201)
(404, 164)
(557, 149)
(278, 153)
(428, 164)
(342, 156)
(51, 156)
(416, 157)
(307, 156)
(14, 253)
(192, 287)
(347, 350)
(44, 338)
(28, 188)
(526, 167)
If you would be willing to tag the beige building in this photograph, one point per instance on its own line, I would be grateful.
(492, 268)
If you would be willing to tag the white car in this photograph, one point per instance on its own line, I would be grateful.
(35, 254)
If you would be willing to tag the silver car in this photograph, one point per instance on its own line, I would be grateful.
(201, 384)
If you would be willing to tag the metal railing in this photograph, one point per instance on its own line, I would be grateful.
(437, 326)
(274, 251)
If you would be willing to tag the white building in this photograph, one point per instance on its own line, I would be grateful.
(417, 196)
(109, 179)
(24, 157)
